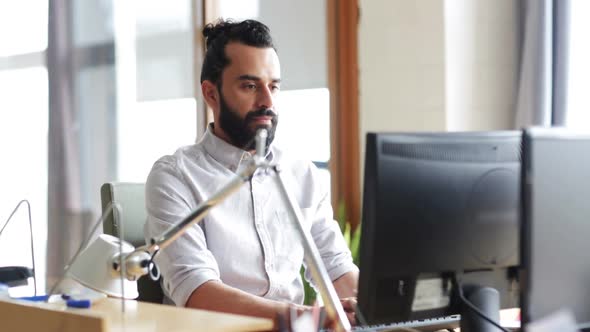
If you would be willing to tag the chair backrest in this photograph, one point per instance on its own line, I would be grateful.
(131, 199)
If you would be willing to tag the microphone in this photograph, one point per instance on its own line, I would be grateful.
(261, 137)
(18, 275)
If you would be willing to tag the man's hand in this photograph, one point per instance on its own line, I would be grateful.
(349, 305)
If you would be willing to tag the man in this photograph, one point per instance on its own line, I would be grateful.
(245, 256)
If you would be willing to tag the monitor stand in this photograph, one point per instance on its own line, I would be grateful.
(487, 300)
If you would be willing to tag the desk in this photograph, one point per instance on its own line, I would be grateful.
(105, 316)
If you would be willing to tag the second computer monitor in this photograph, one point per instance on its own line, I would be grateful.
(435, 206)
(556, 224)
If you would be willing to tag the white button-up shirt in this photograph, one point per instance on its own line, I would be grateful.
(248, 241)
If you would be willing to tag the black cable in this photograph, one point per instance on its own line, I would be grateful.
(153, 267)
(31, 232)
(473, 307)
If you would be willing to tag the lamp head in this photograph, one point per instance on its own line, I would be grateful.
(137, 264)
(95, 267)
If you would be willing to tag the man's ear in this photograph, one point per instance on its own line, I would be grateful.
(210, 93)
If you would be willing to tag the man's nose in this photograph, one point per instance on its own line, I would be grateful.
(264, 99)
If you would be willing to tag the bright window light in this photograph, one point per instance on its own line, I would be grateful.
(304, 123)
(239, 9)
(151, 130)
(156, 17)
(23, 26)
(578, 103)
(304, 126)
(23, 144)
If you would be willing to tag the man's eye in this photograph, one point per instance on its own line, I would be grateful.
(275, 88)
(250, 86)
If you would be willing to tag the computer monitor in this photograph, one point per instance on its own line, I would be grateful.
(556, 224)
(436, 206)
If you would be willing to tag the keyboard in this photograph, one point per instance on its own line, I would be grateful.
(423, 325)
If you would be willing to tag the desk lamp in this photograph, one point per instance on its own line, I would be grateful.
(110, 267)
(97, 265)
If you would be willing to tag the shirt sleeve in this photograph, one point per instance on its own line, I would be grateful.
(186, 263)
(328, 238)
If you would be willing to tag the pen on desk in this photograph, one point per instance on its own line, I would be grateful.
(81, 304)
(67, 299)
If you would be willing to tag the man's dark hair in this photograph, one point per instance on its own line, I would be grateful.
(218, 35)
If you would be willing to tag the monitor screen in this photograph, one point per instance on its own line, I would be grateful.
(435, 206)
(556, 224)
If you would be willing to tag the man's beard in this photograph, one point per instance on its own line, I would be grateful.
(240, 130)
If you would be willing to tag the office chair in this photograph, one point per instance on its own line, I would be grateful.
(131, 199)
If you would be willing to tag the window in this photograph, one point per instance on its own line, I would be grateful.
(23, 27)
(161, 116)
(23, 133)
(151, 130)
(304, 126)
(161, 112)
(578, 104)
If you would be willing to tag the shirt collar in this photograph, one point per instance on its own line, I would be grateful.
(225, 153)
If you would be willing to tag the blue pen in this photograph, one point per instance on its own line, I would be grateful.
(38, 298)
(70, 303)
(84, 304)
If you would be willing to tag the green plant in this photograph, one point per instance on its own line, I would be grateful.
(309, 293)
(351, 237)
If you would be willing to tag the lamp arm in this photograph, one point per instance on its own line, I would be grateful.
(259, 161)
(155, 244)
(177, 230)
(140, 261)
(320, 275)
(138, 264)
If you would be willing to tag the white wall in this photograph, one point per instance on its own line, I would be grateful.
(401, 67)
(437, 65)
(482, 58)
(401, 60)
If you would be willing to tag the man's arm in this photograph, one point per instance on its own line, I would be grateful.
(346, 288)
(346, 285)
(216, 296)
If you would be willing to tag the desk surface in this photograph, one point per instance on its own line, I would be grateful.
(106, 315)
